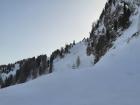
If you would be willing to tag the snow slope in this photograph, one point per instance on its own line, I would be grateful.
(112, 81)
(70, 59)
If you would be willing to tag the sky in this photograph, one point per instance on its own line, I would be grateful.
(33, 27)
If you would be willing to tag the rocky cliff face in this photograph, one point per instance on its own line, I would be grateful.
(114, 19)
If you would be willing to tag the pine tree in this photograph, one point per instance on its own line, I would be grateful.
(78, 62)
(1, 81)
(74, 42)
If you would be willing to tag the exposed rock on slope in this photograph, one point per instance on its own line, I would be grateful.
(115, 18)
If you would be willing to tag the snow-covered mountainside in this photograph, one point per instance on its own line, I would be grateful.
(23, 71)
(101, 70)
(70, 61)
(114, 80)
(117, 16)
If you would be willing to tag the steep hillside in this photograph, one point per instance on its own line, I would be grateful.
(23, 70)
(76, 59)
(116, 17)
(31, 68)
(119, 19)
(114, 80)
(101, 70)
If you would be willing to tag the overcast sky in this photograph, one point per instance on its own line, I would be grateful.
(32, 27)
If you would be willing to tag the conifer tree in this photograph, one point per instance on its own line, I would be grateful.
(78, 62)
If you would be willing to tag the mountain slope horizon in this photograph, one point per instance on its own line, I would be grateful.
(101, 39)
(113, 80)
(102, 69)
